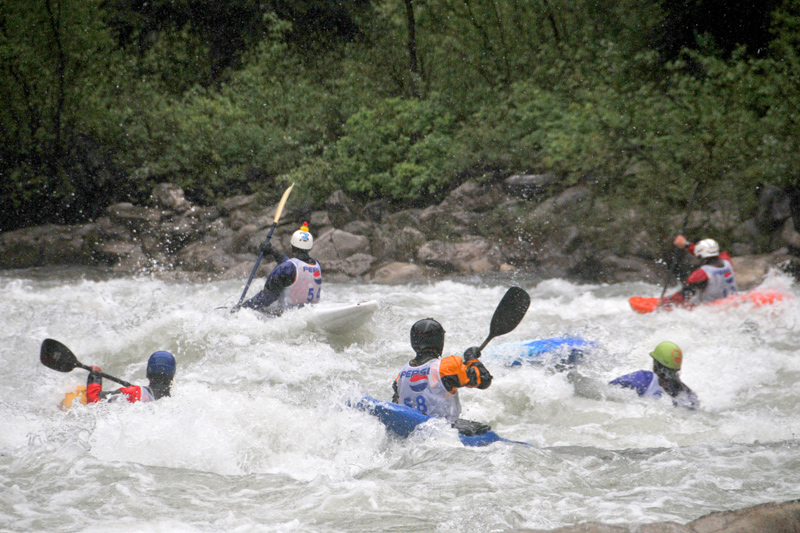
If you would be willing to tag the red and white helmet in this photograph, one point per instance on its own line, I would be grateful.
(706, 248)
(302, 238)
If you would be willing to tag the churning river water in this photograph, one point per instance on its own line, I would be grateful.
(257, 435)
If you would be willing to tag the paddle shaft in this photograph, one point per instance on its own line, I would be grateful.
(104, 375)
(278, 213)
(674, 257)
(255, 268)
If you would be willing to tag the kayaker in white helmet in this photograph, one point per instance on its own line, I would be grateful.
(295, 281)
(713, 280)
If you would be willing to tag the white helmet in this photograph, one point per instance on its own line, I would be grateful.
(302, 238)
(706, 248)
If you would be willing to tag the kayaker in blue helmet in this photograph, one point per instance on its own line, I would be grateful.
(713, 280)
(664, 379)
(160, 371)
(295, 281)
(430, 385)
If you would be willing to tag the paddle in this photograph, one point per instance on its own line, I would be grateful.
(58, 357)
(509, 313)
(261, 254)
(675, 249)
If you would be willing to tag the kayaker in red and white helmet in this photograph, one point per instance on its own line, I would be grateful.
(295, 281)
(663, 380)
(714, 279)
(160, 371)
(430, 385)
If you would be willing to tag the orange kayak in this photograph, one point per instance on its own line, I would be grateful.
(758, 298)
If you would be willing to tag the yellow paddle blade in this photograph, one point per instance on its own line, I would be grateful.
(282, 203)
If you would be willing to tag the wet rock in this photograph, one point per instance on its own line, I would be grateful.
(399, 273)
(769, 517)
(205, 257)
(319, 219)
(135, 218)
(529, 185)
(475, 254)
(354, 266)
(774, 207)
(236, 203)
(340, 208)
(790, 237)
(359, 227)
(338, 244)
(45, 245)
(750, 270)
(170, 196)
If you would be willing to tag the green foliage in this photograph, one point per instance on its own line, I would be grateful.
(230, 99)
(398, 150)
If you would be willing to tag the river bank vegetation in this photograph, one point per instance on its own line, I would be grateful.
(401, 100)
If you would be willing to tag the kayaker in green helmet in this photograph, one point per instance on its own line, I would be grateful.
(664, 379)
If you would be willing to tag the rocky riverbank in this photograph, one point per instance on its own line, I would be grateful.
(767, 518)
(512, 226)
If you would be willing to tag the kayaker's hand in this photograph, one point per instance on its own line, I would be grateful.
(473, 352)
(680, 241)
(94, 376)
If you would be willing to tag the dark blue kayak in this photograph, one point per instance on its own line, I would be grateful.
(402, 421)
(565, 351)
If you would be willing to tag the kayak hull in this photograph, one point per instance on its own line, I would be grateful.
(342, 318)
(644, 305)
(567, 351)
(402, 421)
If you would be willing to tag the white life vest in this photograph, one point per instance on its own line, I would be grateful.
(721, 283)
(420, 388)
(653, 390)
(306, 287)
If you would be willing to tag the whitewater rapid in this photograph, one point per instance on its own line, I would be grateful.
(257, 435)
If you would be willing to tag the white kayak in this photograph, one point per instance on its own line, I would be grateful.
(341, 318)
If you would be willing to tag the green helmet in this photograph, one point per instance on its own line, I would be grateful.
(668, 354)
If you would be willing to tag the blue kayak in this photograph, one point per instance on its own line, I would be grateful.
(564, 351)
(402, 421)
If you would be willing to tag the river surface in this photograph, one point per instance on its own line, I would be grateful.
(257, 435)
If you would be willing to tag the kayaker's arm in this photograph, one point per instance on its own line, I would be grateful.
(454, 373)
(282, 276)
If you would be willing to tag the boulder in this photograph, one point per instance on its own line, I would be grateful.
(475, 254)
(170, 196)
(400, 273)
(46, 245)
(340, 208)
(768, 517)
(528, 185)
(751, 270)
(135, 218)
(774, 207)
(789, 235)
(337, 244)
(354, 266)
(205, 257)
(236, 203)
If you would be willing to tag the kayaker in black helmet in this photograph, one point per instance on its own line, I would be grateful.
(430, 385)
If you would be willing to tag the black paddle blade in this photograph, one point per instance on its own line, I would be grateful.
(57, 356)
(510, 311)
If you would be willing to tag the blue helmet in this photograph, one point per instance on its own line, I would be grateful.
(161, 363)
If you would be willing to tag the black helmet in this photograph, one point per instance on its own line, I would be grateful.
(427, 334)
